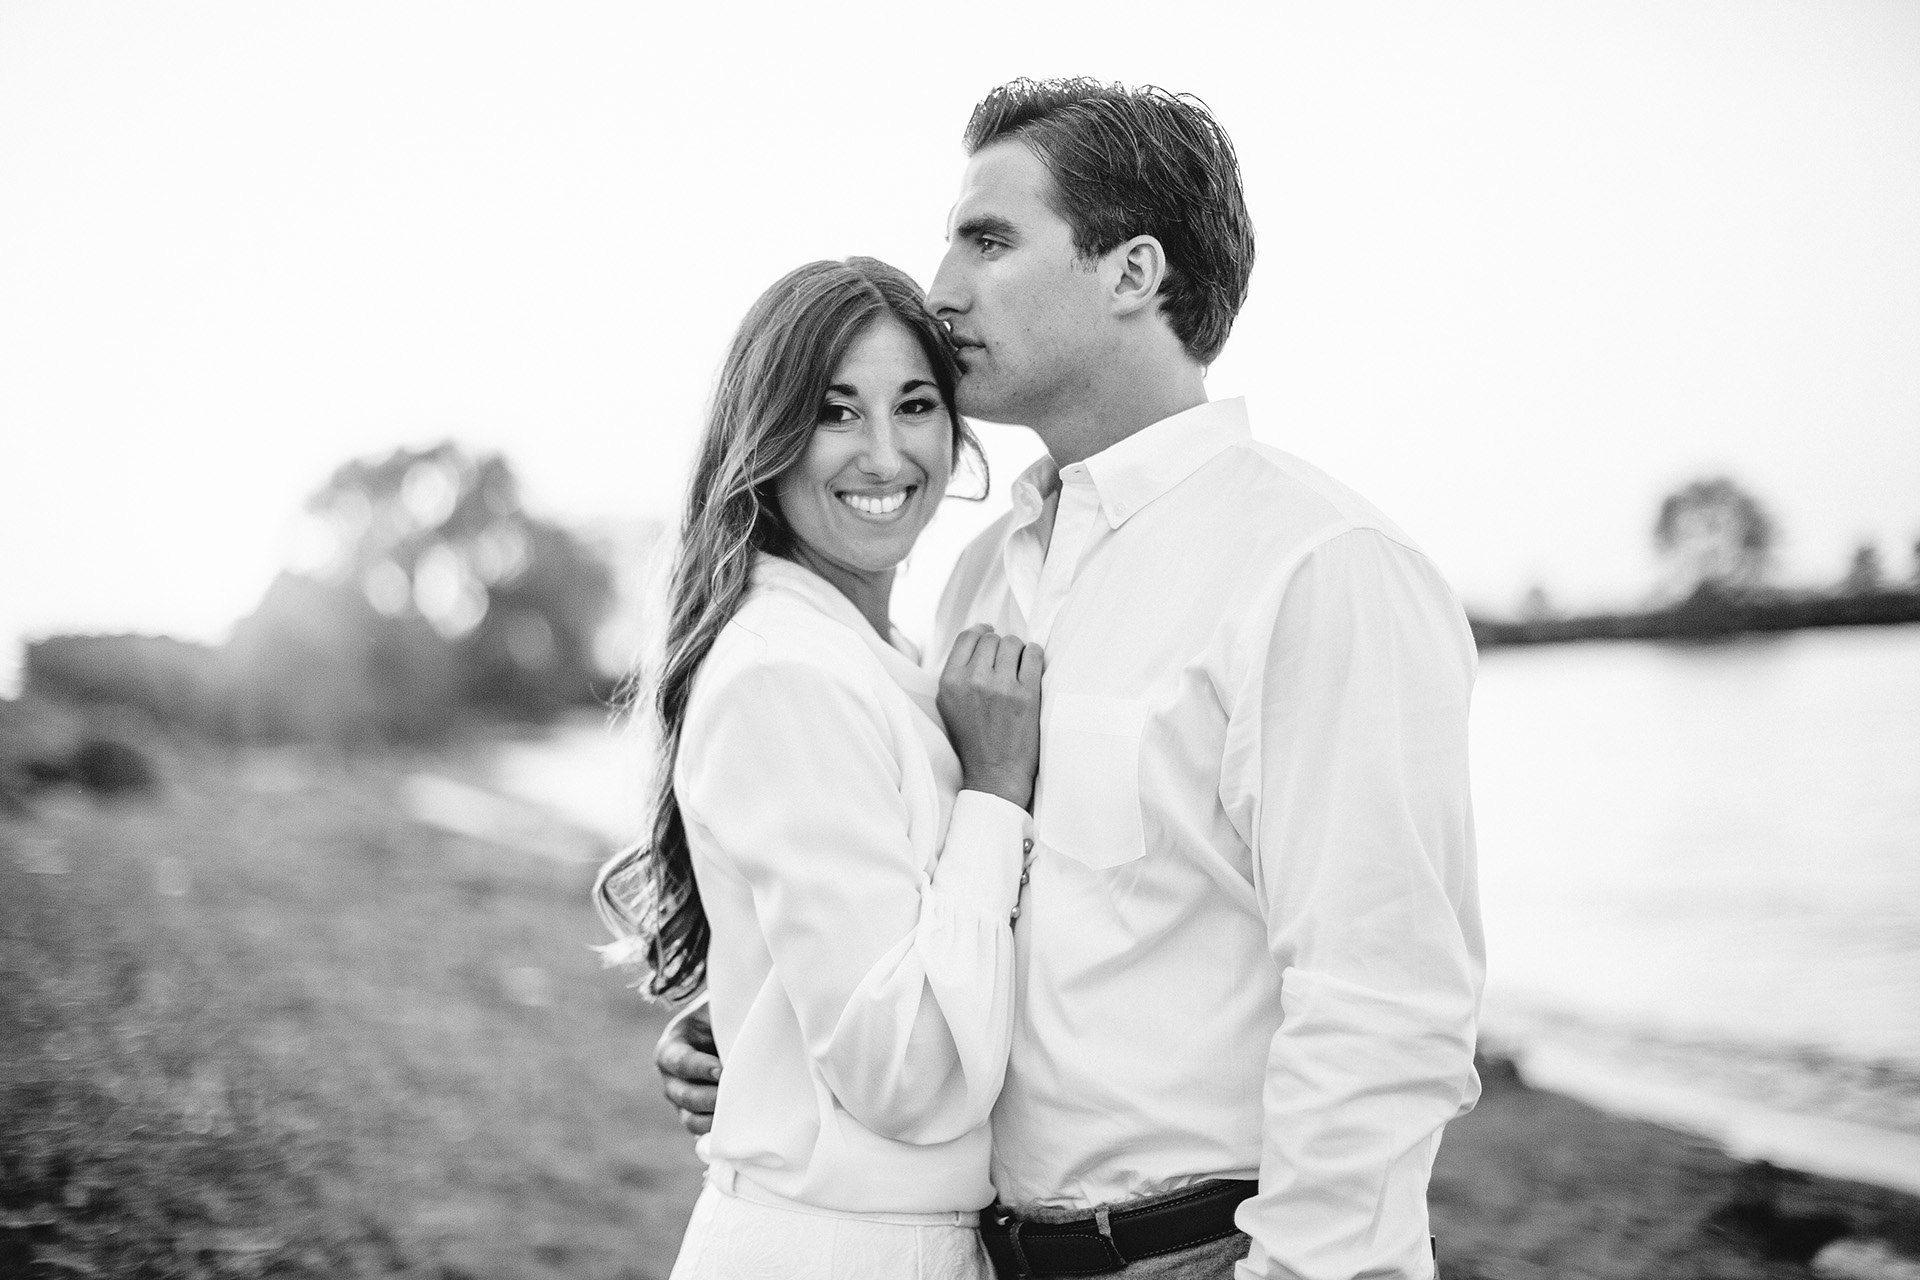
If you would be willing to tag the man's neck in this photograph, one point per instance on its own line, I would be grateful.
(1117, 406)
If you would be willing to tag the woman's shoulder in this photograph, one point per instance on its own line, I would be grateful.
(776, 636)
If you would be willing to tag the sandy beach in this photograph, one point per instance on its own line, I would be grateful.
(280, 1016)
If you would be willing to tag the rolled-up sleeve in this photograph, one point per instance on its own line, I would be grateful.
(1364, 868)
(901, 981)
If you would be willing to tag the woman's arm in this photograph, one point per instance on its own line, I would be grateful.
(901, 981)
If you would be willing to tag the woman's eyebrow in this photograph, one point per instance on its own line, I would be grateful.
(844, 389)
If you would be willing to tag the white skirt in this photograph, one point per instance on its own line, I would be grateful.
(739, 1232)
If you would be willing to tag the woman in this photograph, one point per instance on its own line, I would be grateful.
(839, 875)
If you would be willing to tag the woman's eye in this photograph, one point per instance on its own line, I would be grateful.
(835, 414)
(920, 407)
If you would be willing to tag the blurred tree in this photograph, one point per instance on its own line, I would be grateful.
(1714, 535)
(1536, 605)
(315, 662)
(419, 584)
(418, 589)
(1864, 576)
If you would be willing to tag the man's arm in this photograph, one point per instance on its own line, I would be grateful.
(1350, 734)
(689, 1065)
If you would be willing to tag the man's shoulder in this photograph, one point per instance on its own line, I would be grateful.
(1293, 500)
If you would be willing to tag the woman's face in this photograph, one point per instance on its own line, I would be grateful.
(879, 460)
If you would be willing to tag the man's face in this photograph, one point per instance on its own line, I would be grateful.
(1027, 316)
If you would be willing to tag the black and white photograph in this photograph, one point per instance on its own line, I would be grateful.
(846, 641)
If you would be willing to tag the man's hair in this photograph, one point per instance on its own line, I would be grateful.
(1128, 162)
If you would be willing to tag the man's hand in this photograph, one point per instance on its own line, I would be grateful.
(689, 1066)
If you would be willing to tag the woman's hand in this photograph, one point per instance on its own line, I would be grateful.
(990, 699)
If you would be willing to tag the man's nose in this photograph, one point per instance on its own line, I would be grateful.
(943, 298)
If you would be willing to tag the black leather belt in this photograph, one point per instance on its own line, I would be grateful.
(1107, 1240)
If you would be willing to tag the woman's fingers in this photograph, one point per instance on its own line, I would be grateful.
(1033, 660)
(1006, 658)
(983, 658)
(965, 645)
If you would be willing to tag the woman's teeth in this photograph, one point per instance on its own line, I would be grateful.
(876, 504)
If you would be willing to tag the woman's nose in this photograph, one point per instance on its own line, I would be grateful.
(881, 458)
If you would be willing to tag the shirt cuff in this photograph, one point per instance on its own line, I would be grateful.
(987, 841)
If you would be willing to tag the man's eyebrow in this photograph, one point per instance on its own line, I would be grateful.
(983, 224)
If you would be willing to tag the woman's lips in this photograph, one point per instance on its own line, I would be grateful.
(877, 506)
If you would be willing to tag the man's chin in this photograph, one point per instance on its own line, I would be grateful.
(977, 400)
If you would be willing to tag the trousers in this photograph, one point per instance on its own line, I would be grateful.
(739, 1232)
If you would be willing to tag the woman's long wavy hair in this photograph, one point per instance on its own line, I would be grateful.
(764, 410)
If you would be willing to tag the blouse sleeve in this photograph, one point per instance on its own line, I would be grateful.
(902, 982)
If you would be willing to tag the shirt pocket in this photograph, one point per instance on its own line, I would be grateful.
(1087, 797)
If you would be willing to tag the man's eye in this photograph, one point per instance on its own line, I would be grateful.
(989, 245)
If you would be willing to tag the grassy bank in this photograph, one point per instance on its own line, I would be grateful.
(262, 1022)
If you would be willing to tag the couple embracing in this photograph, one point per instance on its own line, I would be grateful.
(1133, 932)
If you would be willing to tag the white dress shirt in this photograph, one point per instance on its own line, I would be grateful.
(860, 975)
(1251, 946)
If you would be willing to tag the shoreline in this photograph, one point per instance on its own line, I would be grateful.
(1744, 1129)
(1534, 1184)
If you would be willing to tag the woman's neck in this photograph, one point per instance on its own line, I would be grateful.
(870, 592)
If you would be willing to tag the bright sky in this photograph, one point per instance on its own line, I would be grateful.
(1523, 267)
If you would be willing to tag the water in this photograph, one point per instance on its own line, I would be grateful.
(1718, 840)
(1701, 865)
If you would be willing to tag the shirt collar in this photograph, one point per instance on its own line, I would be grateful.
(896, 652)
(1131, 473)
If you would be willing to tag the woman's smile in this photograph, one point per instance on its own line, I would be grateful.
(883, 505)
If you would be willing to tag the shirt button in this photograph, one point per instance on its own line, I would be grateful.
(1026, 846)
(1023, 877)
(1015, 915)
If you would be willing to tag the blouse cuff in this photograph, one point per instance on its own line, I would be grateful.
(985, 851)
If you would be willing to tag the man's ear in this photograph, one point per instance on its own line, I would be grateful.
(1140, 266)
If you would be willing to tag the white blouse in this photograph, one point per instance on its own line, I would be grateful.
(861, 966)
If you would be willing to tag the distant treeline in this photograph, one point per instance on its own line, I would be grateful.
(1716, 542)
(1711, 614)
(424, 598)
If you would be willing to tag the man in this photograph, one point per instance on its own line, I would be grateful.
(1250, 946)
